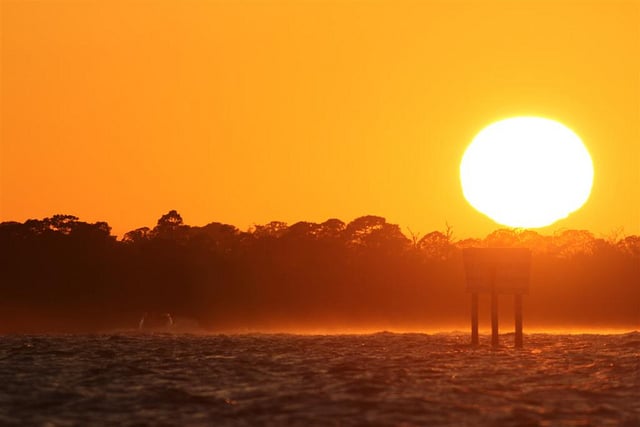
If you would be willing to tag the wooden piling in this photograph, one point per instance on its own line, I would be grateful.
(517, 302)
(474, 319)
(497, 271)
(495, 340)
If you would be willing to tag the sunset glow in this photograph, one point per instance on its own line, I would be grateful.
(526, 172)
(319, 212)
(249, 112)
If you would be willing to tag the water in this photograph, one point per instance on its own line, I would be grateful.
(341, 380)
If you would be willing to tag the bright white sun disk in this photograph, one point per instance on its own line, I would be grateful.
(526, 172)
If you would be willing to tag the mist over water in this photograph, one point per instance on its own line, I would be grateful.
(281, 379)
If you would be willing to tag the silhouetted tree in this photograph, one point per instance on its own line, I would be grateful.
(572, 242)
(436, 245)
(137, 236)
(76, 276)
(630, 245)
(170, 227)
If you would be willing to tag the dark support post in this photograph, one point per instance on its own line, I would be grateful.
(517, 302)
(495, 341)
(474, 319)
(497, 271)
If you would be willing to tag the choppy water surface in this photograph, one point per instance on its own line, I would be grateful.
(379, 379)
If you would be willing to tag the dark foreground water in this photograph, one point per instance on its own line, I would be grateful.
(379, 379)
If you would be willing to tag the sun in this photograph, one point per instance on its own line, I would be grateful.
(526, 172)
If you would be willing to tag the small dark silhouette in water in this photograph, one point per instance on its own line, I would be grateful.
(154, 321)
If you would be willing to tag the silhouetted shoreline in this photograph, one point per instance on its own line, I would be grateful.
(60, 274)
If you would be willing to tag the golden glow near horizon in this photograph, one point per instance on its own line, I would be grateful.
(247, 112)
(526, 172)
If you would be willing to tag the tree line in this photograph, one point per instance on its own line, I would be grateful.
(63, 274)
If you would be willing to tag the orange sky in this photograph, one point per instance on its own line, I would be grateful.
(247, 112)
